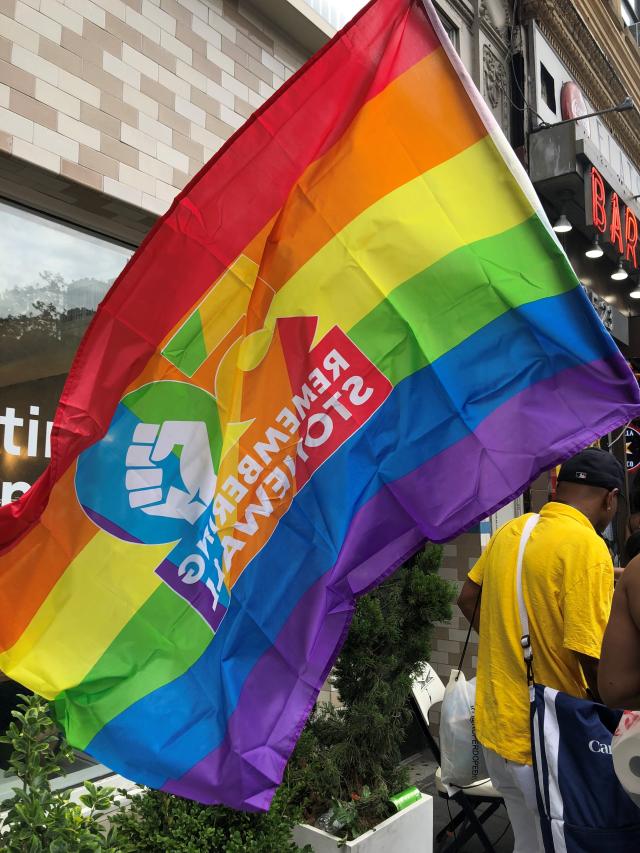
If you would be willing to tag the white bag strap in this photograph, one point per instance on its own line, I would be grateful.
(525, 640)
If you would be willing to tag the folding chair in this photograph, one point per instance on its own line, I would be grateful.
(428, 690)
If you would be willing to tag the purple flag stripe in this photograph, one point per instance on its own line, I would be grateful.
(109, 526)
(491, 463)
(196, 594)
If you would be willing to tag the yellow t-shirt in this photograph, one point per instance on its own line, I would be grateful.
(568, 588)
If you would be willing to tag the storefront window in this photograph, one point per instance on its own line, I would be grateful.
(52, 278)
(337, 12)
(450, 28)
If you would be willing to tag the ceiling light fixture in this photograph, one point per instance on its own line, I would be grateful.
(595, 250)
(620, 273)
(635, 294)
(563, 226)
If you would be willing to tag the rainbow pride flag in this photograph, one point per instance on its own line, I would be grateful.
(353, 331)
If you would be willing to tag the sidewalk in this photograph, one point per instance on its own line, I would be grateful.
(497, 827)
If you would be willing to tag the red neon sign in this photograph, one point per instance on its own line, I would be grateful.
(615, 230)
(607, 219)
(598, 200)
(631, 236)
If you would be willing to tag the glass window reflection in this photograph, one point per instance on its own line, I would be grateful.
(52, 279)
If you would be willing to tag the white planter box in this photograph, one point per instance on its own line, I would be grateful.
(409, 831)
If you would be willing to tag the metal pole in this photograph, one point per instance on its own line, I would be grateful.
(627, 104)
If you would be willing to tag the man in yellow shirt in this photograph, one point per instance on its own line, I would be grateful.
(568, 587)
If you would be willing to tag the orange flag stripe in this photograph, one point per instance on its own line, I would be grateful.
(62, 532)
(358, 177)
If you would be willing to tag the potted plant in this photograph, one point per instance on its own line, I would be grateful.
(347, 763)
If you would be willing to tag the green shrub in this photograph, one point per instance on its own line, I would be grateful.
(347, 761)
(157, 822)
(39, 819)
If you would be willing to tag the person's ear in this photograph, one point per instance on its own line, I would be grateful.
(612, 498)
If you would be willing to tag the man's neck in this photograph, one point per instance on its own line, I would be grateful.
(586, 510)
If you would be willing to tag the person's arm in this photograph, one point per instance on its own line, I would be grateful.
(470, 597)
(470, 600)
(619, 671)
(589, 667)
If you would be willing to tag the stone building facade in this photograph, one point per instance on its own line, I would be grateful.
(127, 100)
(598, 43)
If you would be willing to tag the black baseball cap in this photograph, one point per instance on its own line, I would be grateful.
(593, 467)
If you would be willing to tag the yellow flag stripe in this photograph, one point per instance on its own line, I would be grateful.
(468, 198)
(102, 588)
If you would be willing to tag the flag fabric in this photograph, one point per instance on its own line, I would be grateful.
(353, 331)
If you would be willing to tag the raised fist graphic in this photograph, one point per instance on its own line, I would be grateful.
(153, 443)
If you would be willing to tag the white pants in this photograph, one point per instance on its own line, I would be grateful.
(517, 787)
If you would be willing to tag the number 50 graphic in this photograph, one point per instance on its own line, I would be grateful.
(163, 446)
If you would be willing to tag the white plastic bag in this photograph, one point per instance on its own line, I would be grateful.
(462, 759)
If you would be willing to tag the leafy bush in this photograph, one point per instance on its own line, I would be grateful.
(156, 822)
(347, 761)
(39, 819)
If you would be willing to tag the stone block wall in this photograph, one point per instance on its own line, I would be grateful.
(459, 556)
(132, 97)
